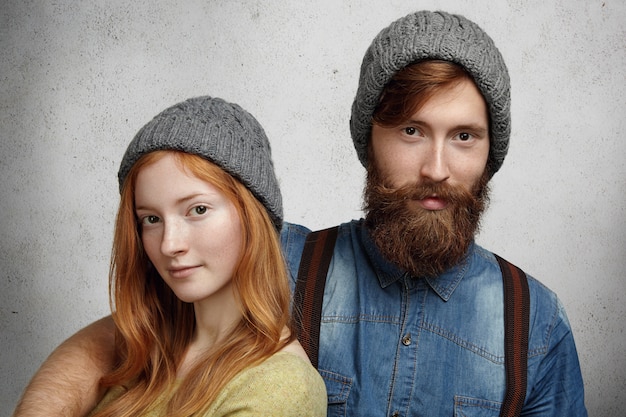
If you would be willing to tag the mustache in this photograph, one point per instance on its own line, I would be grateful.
(387, 195)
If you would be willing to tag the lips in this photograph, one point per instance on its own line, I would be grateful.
(433, 203)
(181, 272)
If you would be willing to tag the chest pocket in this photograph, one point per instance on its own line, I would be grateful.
(338, 389)
(475, 407)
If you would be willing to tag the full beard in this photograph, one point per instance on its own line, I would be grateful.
(423, 242)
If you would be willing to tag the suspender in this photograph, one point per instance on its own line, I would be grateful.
(516, 319)
(309, 295)
(309, 291)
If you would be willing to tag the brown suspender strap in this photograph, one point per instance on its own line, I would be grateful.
(309, 292)
(516, 321)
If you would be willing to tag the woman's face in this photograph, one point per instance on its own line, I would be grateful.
(190, 231)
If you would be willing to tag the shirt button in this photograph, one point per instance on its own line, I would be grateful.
(396, 414)
(406, 340)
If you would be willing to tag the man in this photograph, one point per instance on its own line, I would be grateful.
(413, 310)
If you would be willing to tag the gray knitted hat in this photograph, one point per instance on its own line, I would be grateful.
(434, 35)
(220, 132)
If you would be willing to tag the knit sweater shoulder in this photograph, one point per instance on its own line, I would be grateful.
(283, 385)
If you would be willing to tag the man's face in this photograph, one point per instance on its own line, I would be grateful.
(446, 141)
(427, 183)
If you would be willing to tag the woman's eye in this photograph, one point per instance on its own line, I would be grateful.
(150, 220)
(464, 136)
(199, 210)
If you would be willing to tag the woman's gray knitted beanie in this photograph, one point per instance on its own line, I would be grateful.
(220, 132)
(434, 35)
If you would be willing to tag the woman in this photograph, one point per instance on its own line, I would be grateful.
(198, 286)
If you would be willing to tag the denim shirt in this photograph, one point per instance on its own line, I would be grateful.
(393, 345)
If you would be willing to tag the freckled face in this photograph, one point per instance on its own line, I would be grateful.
(190, 231)
(446, 141)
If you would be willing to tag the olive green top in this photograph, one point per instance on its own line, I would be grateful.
(283, 385)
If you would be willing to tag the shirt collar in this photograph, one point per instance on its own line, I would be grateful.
(388, 273)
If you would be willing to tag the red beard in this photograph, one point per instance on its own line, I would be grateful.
(423, 242)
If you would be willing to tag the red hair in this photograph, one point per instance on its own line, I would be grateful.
(413, 86)
(154, 327)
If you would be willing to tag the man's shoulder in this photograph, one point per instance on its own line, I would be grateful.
(293, 234)
(544, 303)
(292, 239)
(289, 229)
(536, 287)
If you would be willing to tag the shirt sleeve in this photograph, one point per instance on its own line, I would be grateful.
(557, 386)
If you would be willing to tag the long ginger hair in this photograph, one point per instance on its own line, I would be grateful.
(154, 327)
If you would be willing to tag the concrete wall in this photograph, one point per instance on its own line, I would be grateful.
(78, 79)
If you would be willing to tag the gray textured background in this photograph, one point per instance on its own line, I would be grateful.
(78, 79)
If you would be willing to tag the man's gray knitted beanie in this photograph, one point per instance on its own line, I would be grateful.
(220, 132)
(434, 35)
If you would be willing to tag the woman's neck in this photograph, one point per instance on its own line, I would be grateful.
(214, 324)
(215, 319)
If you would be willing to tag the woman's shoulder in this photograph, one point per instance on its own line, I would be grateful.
(285, 384)
(285, 373)
(295, 348)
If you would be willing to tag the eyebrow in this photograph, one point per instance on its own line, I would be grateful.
(179, 201)
(473, 126)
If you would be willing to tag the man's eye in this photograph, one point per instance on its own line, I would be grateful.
(410, 130)
(465, 136)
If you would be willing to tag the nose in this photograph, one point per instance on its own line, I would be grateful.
(435, 164)
(174, 241)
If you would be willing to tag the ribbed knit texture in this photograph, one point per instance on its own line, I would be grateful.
(434, 35)
(220, 132)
